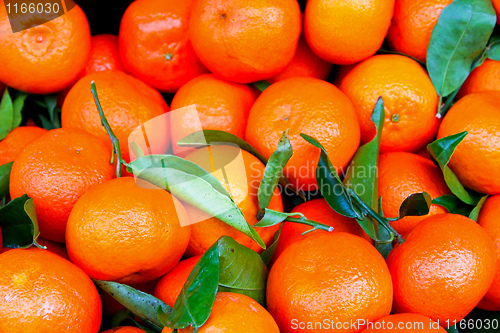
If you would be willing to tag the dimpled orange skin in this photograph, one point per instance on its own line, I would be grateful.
(407, 92)
(16, 140)
(220, 104)
(235, 313)
(304, 63)
(152, 31)
(412, 25)
(476, 160)
(488, 219)
(126, 233)
(405, 323)
(310, 106)
(483, 78)
(124, 329)
(46, 58)
(335, 276)
(42, 292)
(443, 269)
(243, 187)
(126, 101)
(401, 174)
(170, 285)
(244, 41)
(346, 31)
(55, 170)
(316, 210)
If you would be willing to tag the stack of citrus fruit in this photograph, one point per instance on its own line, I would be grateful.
(250, 166)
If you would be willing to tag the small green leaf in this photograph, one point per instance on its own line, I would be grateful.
(5, 178)
(241, 270)
(452, 204)
(261, 85)
(54, 111)
(139, 303)
(194, 303)
(268, 253)
(330, 184)
(274, 171)
(190, 183)
(272, 217)
(459, 37)
(362, 172)
(213, 137)
(6, 115)
(19, 223)
(416, 204)
(474, 214)
(441, 152)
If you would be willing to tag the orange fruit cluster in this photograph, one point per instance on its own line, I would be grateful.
(120, 197)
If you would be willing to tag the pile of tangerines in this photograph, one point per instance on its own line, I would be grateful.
(382, 93)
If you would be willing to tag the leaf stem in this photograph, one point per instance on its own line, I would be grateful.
(370, 212)
(315, 225)
(114, 140)
(447, 105)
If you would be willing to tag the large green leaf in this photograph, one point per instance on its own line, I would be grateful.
(459, 37)
(195, 301)
(139, 303)
(193, 185)
(241, 270)
(225, 266)
(274, 171)
(330, 184)
(441, 152)
(19, 223)
(362, 173)
(493, 51)
(5, 178)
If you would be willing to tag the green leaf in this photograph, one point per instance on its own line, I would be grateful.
(19, 223)
(474, 214)
(330, 184)
(17, 107)
(416, 204)
(5, 178)
(261, 85)
(6, 115)
(241, 270)
(193, 185)
(213, 137)
(194, 303)
(459, 37)
(493, 52)
(366, 160)
(452, 204)
(274, 171)
(441, 152)
(139, 303)
(268, 253)
(272, 217)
